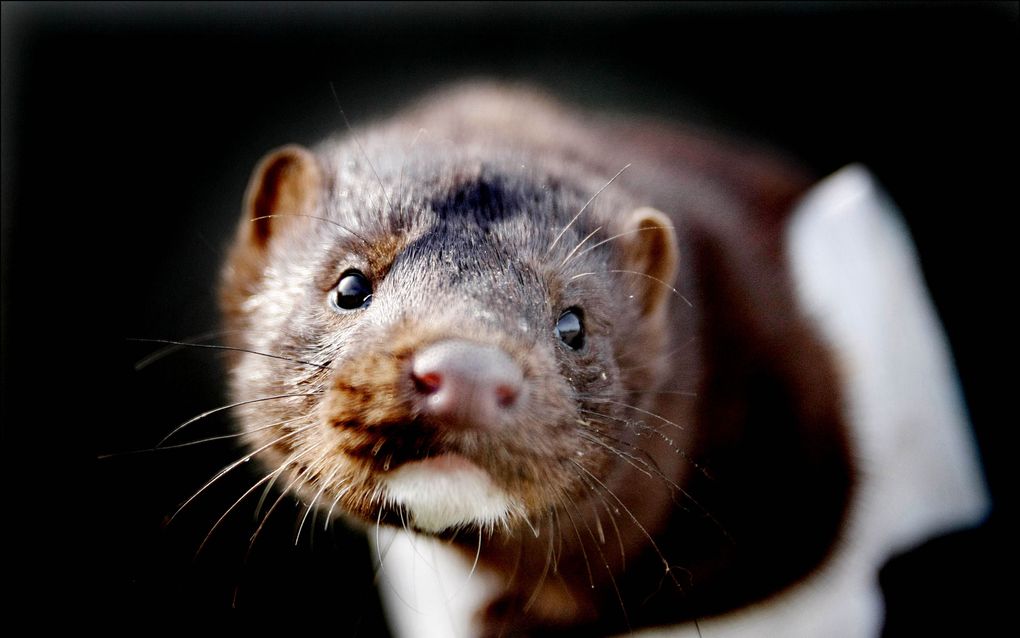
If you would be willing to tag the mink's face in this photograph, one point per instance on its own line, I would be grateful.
(457, 358)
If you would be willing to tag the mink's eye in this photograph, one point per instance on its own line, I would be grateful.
(570, 328)
(354, 291)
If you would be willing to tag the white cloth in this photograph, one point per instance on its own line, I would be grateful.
(857, 277)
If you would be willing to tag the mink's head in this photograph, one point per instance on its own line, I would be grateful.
(444, 337)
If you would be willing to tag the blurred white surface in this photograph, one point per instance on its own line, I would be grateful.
(858, 278)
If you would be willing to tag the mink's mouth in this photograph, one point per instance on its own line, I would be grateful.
(425, 481)
(393, 445)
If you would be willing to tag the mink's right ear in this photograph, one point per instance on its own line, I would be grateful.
(286, 182)
(285, 187)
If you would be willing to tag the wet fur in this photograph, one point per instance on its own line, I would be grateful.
(690, 460)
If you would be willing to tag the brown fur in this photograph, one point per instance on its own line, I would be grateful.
(712, 427)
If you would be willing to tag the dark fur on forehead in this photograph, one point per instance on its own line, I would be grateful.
(495, 193)
(485, 199)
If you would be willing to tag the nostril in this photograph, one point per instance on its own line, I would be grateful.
(506, 395)
(428, 383)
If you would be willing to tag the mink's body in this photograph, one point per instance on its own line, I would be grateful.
(488, 338)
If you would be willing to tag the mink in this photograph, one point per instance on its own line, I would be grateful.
(565, 344)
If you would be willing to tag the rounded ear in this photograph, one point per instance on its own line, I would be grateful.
(286, 182)
(651, 253)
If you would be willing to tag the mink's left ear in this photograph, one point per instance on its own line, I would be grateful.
(651, 253)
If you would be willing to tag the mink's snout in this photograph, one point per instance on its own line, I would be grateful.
(467, 385)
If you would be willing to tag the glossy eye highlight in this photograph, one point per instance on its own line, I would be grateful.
(570, 328)
(353, 291)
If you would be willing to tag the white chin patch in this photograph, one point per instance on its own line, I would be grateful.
(445, 492)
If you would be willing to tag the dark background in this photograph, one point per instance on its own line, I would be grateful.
(128, 136)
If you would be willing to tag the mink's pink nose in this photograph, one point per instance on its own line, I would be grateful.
(467, 385)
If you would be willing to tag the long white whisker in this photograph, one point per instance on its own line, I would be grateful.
(378, 542)
(619, 536)
(605, 561)
(629, 459)
(637, 409)
(153, 357)
(543, 576)
(586, 204)
(633, 518)
(283, 494)
(578, 246)
(269, 486)
(653, 469)
(251, 489)
(478, 554)
(656, 279)
(580, 543)
(640, 274)
(617, 236)
(213, 346)
(228, 407)
(381, 555)
(321, 219)
(304, 518)
(361, 148)
(235, 464)
(400, 178)
(329, 515)
(210, 439)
